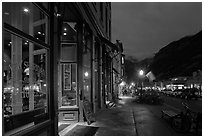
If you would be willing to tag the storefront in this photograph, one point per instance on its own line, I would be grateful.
(54, 58)
(26, 52)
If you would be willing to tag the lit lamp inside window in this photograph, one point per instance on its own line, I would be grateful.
(86, 74)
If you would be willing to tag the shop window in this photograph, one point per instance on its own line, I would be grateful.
(68, 67)
(26, 17)
(68, 52)
(25, 82)
(69, 88)
(69, 32)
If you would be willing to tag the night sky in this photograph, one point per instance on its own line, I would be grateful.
(146, 27)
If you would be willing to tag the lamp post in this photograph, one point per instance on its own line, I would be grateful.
(141, 75)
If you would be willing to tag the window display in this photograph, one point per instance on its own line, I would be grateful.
(25, 92)
(69, 89)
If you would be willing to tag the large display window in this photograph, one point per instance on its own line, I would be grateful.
(25, 67)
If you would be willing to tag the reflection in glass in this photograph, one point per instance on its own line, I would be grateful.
(26, 17)
(24, 81)
(69, 32)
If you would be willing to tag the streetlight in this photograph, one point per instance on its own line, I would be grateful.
(133, 84)
(141, 75)
(141, 72)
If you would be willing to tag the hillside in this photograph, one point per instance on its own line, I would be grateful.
(179, 58)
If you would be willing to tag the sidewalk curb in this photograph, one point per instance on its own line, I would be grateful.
(135, 123)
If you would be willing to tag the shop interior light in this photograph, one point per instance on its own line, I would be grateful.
(65, 33)
(65, 29)
(26, 10)
(39, 32)
(86, 74)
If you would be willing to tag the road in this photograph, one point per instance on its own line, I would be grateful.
(175, 103)
(170, 103)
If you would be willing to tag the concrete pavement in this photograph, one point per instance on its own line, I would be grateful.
(128, 119)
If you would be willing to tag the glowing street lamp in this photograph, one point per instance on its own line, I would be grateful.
(133, 84)
(141, 72)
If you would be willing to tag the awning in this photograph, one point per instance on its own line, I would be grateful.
(109, 43)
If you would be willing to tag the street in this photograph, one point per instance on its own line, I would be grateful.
(175, 103)
(149, 116)
(129, 118)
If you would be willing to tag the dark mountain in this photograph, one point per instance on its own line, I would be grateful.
(179, 58)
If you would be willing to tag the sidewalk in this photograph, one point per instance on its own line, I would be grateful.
(126, 119)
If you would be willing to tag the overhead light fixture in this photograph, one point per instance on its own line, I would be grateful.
(39, 32)
(65, 33)
(26, 10)
(65, 29)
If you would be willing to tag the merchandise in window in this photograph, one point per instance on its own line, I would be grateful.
(25, 81)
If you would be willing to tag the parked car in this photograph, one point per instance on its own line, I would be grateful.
(190, 94)
(167, 92)
(177, 93)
